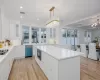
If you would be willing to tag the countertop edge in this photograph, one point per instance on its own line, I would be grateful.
(4, 56)
(60, 58)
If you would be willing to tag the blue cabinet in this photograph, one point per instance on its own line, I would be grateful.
(28, 51)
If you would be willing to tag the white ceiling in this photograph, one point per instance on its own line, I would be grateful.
(85, 23)
(1, 2)
(69, 11)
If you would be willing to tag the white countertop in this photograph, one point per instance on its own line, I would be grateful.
(2, 57)
(58, 52)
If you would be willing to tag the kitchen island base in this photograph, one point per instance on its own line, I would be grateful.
(59, 69)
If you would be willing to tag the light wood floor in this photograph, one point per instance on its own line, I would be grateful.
(27, 69)
(90, 69)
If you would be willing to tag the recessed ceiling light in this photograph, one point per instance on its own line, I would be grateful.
(21, 17)
(21, 7)
(38, 19)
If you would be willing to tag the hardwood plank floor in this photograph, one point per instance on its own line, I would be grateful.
(90, 69)
(27, 69)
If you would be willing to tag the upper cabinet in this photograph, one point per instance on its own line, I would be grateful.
(0, 26)
(14, 30)
(5, 24)
(9, 29)
(25, 34)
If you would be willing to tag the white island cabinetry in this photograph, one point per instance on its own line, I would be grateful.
(49, 65)
(59, 63)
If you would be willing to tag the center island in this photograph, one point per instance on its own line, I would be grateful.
(58, 63)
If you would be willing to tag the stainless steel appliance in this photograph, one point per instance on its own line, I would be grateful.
(39, 54)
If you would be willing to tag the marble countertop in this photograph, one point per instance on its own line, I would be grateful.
(58, 52)
(2, 57)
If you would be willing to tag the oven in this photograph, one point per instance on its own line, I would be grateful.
(39, 54)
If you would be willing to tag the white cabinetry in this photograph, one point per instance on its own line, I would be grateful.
(5, 25)
(0, 26)
(5, 70)
(6, 64)
(8, 27)
(15, 30)
(49, 65)
(19, 51)
(59, 69)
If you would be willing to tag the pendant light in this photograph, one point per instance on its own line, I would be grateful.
(54, 21)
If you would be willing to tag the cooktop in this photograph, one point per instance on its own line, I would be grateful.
(2, 52)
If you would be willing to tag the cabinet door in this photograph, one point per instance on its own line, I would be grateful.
(4, 70)
(0, 27)
(28, 51)
(1, 68)
(50, 66)
(45, 63)
(14, 31)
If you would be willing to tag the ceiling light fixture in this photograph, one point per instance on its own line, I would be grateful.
(54, 21)
(21, 7)
(96, 24)
(21, 17)
(38, 19)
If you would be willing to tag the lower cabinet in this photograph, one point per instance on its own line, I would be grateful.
(6, 64)
(62, 69)
(49, 65)
(28, 51)
(5, 69)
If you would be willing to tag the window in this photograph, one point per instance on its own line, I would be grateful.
(38, 35)
(43, 35)
(52, 32)
(25, 34)
(87, 36)
(69, 36)
(76, 37)
(35, 35)
(64, 35)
